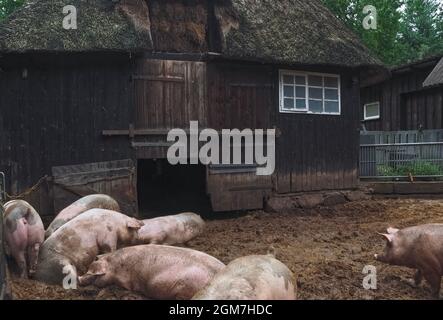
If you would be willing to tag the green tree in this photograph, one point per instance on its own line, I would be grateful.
(8, 6)
(407, 30)
(421, 29)
(383, 41)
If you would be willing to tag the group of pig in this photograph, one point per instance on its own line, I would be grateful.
(108, 248)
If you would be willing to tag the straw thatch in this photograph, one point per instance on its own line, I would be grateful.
(283, 31)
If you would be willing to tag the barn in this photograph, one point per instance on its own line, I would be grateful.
(87, 109)
(411, 99)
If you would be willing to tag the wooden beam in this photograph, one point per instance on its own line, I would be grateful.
(159, 78)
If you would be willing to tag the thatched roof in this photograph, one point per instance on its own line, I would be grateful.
(436, 76)
(37, 26)
(283, 31)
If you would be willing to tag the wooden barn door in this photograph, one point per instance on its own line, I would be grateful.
(114, 178)
(168, 94)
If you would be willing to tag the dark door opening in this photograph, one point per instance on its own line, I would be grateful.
(164, 189)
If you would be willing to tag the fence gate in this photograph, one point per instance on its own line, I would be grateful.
(115, 178)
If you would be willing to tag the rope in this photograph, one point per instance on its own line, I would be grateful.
(27, 191)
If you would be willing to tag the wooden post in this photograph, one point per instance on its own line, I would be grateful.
(3, 284)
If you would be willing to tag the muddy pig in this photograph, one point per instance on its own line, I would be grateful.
(78, 242)
(94, 201)
(420, 248)
(24, 233)
(259, 277)
(156, 271)
(171, 230)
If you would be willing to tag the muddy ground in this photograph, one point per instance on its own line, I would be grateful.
(327, 248)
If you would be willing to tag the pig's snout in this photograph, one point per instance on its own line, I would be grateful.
(86, 280)
(376, 256)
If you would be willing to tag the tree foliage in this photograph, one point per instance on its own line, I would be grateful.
(407, 30)
(8, 6)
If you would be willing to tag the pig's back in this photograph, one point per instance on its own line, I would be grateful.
(251, 278)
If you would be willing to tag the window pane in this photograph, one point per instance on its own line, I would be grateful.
(331, 82)
(300, 104)
(315, 106)
(315, 93)
(289, 104)
(316, 81)
(300, 92)
(288, 91)
(331, 107)
(331, 94)
(288, 79)
(372, 110)
(300, 80)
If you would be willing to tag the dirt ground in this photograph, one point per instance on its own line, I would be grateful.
(327, 248)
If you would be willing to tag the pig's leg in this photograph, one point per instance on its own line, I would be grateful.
(418, 278)
(20, 259)
(434, 280)
(33, 251)
(7, 251)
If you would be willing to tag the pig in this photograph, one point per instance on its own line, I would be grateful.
(171, 230)
(419, 248)
(75, 245)
(94, 201)
(24, 234)
(257, 277)
(156, 271)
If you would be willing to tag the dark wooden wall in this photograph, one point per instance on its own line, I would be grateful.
(314, 152)
(404, 104)
(56, 113)
(319, 152)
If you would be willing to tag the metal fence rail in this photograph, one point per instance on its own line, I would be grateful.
(396, 160)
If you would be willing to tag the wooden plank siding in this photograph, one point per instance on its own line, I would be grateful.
(168, 94)
(404, 104)
(55, 116)
(314, 152)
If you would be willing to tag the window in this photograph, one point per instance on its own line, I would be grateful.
(312, 93)
(372, 111)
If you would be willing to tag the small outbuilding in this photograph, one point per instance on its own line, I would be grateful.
(88, 93)
(411, 99)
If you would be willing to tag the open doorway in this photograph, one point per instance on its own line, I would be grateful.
(164, 189)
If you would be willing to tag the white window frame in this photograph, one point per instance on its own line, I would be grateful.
(295, 73)
(365, 117)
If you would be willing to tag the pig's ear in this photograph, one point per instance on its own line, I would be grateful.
(389, 237)
(392, 230)
(98, 269)
(134, 224)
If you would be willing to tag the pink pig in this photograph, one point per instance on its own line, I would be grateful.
(171, 230)
(251, 278)
(77, 243)
(24, 234)
(99, 201)
(419, 248)
(158, 272)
